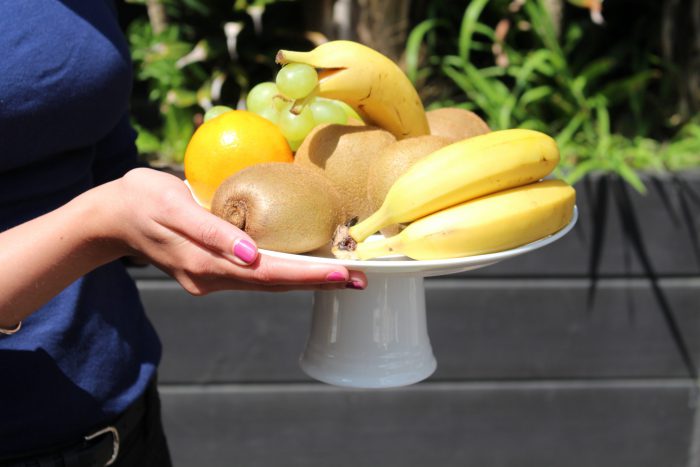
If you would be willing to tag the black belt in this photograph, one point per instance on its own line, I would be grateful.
(100, 448)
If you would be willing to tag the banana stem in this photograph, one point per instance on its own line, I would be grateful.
(289, 56)
(367, 227)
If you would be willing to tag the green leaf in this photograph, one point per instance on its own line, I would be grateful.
(481, 83)
(478, 89)
(146, 142)
(597, 68)
(492, 72)
(631, 177)
(486, 31)
(577, 86)
(621, 90)
(571, 128)
(534, 124)
(177, 130)
(581, 170)
(603, 127)
(533, 62)
(533, 95)
(493, 91)
(572, 36)
(464, 84)
(414, 43)
(182, 97)
(469, 21)
(505, 112)
(199, 6)
(543, 26)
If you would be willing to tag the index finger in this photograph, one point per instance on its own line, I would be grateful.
(269, 269)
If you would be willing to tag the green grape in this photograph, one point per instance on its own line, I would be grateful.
(261, 96)
(295, 127)
(296, 80)
(271, 114)
(349, 111)
(216, 111)
(294, 145)
(328, 111)
(280, 102)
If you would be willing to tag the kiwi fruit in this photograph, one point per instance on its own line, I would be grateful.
(342, 153)
(283, 207)
(355, 122)
(391, 163)
(455, 124)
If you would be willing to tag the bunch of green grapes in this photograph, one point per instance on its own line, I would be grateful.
(290, 103)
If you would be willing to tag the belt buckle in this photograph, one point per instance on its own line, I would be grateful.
(115, 441)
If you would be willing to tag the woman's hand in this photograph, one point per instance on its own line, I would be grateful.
(157, 218)
(152, 215)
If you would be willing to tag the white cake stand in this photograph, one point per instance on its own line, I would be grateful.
(378, 337)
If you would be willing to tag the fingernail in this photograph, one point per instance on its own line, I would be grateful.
(336, 276)
(245, 251)
(355, 285)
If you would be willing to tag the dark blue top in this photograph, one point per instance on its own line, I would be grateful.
(65, 81)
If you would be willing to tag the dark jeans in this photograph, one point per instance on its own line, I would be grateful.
(147, 446)
(143, 446)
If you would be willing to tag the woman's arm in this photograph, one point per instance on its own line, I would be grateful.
(149, 214)
(41, 257)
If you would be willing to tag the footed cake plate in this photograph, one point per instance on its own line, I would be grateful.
(378, 337)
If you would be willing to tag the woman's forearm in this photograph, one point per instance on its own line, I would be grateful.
(41, 257)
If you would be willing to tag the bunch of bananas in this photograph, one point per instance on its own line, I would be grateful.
(476, 196)
(479, 195)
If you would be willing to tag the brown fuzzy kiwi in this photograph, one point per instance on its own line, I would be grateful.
(456, 124)
(391, 162)
(283, 207)
(343, 153)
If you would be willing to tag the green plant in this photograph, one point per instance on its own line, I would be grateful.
(156, 57)
(192, 55)
(597, 107)
(606, 101)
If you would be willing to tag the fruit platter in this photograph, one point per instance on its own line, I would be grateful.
(338, 161)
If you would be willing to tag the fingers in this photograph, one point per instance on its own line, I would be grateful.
(268, 269)
(358, 280)
(204, 272)
(222, 284)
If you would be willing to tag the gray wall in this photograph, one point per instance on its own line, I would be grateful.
(529, 374)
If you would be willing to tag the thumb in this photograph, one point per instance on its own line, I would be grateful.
(214, 233)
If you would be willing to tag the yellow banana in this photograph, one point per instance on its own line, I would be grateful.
(369, 82)
(462, 171)
(496, 222)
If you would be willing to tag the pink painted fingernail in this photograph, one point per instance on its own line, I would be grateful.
(245, 251)
(336, 276)
(355, 285)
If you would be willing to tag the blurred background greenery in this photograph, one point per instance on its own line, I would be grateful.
(617, 83)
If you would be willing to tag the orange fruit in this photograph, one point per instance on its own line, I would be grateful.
(228, 143)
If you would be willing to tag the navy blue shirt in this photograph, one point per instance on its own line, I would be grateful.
(65, 81)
